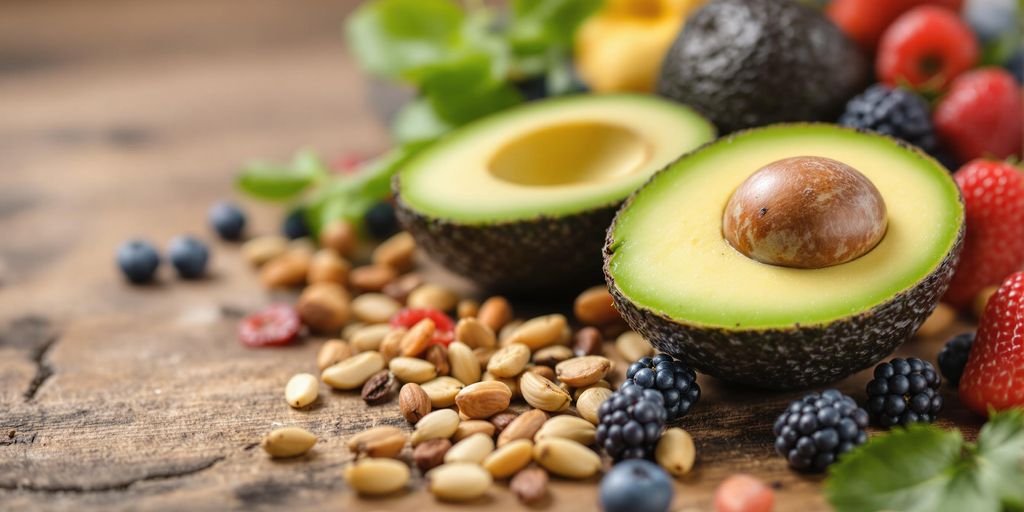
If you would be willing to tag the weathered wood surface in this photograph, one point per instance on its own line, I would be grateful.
(120, 118)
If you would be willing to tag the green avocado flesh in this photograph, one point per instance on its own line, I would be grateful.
(668, 254)
(550, 158)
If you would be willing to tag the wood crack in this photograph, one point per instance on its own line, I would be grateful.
(115, 486)
(43, 369)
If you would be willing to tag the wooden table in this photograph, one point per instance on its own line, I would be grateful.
(121, 118)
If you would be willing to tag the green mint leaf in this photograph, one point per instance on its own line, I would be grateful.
(541, 24)
(273, 182)
(394, 38)
(466, 88)
(1001, 457)
(417, 121)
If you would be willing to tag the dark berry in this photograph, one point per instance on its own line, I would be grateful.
(279, 324)
(380, 220)
(138, 260)
(189, 256)
(636, 486)
(630, 423)
(227, 220)
(814, 431)
(892, 111)
(904, 391)
(294, 225)
(676, 382)
(953, 357)
(444, 328)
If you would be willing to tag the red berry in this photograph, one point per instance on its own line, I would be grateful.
(981, 115)
(279, 324)
(864, 21)
(744, 493)
(444, 328)
(925, 47)
(347, 163)
(994, 375)
(994, 242)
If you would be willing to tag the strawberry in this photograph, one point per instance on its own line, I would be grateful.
(981, 115)
(864, 21)
(994, 375)
(994, 243)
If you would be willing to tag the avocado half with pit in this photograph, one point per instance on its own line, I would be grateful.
(521, 200)
(787, 256)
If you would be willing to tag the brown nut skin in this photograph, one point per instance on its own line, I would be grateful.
(805, 212)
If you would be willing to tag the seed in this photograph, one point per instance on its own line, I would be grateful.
(483, 399)
(502, 420)
(440, 424)
(372, 278)
(432, 296)
(469, 427)
(459, 481)
(374, 308)
(400, 288)
(350, 329)
(411, 369)
(464, 365)
(370, 337)
(568, 427)
(495, 312)
(511, 383)
(981, 300)
(589, 401)
(413, 402)
(474, 333)
(509, 458)
(595, 307)
(530, 485)
(587, 342)
(467, 308)
(583, 371)
(339, 235)
(382, 441)
(430, 454)
(543, 371)
(438, 356)
(418, 338)
(566, 458)
(301, 390)
(354, 371)
(442, 391)
(941, 318)
(262, 249)
(506, 332)
(396, 252)
(377, 476)
(509, 361)
(380, 388)
(542, 393)
(332, 352)
(632, 346)
(288, 442)
(578, 392)
(324, 307)
(286, 270)
(551, 356)
(676, 452)
(524, 426)
(391, 345)
(540, 332)
(327, 266)
(471, 449)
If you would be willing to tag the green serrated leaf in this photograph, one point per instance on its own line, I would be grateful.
(1001, 457)
(274, 182)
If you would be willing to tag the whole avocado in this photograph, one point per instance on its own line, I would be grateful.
(746, 63)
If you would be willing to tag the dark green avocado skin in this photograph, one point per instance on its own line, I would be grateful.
(746, 63)
(554, 254)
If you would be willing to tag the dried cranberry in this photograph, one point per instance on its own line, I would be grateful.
(444, 328)
(279, 324)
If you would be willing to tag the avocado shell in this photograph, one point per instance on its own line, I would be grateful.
(796, 357)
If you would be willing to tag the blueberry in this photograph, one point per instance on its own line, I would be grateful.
(138, 260)
(953, 356)
(227, 220)
(294, 225)
(636, 486)
(380, 220)
(188, 256)
(892, 111)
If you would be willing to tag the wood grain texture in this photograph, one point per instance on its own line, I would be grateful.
(121, 118)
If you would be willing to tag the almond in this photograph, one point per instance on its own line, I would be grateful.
(483, 399)
(418, 338)
(551, 356)
(462, 363)
(524, 426)
(495, 312)
(542, 393)
(467, 308)
(413, 402)
(324, 307)
(382, 441)
(397, 252)
(372, 278)
(327, 266)
(530, 485)
(540, 332)
(595, 307)
(583, 371)
(391, 345)
(339, 235)
(511, 383)
(262, 249)
(566, 458)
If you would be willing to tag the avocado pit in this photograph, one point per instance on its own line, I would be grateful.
(805, 212)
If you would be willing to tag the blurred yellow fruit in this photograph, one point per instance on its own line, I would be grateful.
(621, 47)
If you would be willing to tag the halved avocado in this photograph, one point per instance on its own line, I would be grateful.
(521, 200)
(682, 285)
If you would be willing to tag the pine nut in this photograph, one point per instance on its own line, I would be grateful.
(288, 442)
(382, 441)
(459, 481)
(377, 477)
(374, 308)
(475, 333)
(331, 353)
(353, 372)
(540, 332)
(567, 427)
(370, 337)
(432, 296)
(463, 363)
(566, 458)
(509, 458)
(411, 369)
(675, 451)
(474, 449)
(301, 390)
(440, 424)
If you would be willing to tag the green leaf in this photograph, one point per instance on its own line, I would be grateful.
(275, 182)
(394, 38)
(541, 24)
(417, 121)
(1001, 456)
(467, 88)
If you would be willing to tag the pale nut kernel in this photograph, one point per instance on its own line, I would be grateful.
(567, 427)
(578, 392)
(372, 278)
(374, 308)
(566, 458)
(540, 332)
(511, 382)
(432, 296)
(552, 355)
(543, 371)
(301, 390)
(397, 252)
(469, 427)
(418, 338)
(467, 308)
(631, 346)
(595, 307)
(369, 337)
(324, 307)
(353, 372)
(483, 399)
(474, 449)
(440, 424)
(411, 369)
(542, 393)
(332, 352)
(262, 249)
(327, 266)
(382, 441)
(376, 477)
(509, 361)
(475, 333)
(509, 458)
(676, 452)
(459, 481)
(350, 329)
(340, 236)
(524, 426)
(506, 332)
(583, 371)
(391, 345)
(590, 400)
(462, 363)
(288, 442)
(413, 402)
(495, 312)
(442, 391)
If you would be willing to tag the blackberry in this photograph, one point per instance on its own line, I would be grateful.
(138, 260)
(380, 220)
(676, 382)
(953, 357)
(892, 111)
(294, 225)
(904, 391)
(189, 256)
(814, 431)
(227, 220)
(630, 423)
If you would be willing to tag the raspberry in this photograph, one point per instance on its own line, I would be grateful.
(904, 391)
(278, 324)
(444, 328)
(630, 423)
(814, 431)
(676, 382)
(925, 47)
(953, 357)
